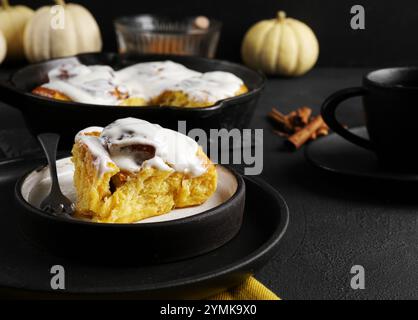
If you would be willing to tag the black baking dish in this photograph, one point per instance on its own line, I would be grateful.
(67, 118)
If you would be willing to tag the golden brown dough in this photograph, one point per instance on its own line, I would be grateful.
(181, 99)
(121, 197)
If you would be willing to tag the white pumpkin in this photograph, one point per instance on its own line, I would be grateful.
(3, 47)
(281, 46)
(13, 20)
(60, 31)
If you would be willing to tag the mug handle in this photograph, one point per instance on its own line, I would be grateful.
(328, 113)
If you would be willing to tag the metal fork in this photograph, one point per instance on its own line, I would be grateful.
(55, 203)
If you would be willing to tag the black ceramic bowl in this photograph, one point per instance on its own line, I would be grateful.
(67, 118)
(135, 243)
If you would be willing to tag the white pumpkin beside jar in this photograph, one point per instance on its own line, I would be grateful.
(281, 46)
(3, 47)
(13, 20)
(46, 38)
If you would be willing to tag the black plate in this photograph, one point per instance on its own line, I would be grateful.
(25, 268)
(166, 241)
(67, 118)
(335, 154)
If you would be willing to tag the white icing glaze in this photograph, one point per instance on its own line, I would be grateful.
(83, 132)
(68, 70)
(171, 150)
(210, 87)
(93, 84)
(148, 80)
(98, 151)
(98, 84)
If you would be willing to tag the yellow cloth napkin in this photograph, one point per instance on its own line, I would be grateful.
(251, 289)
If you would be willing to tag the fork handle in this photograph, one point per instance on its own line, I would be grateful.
(49, 142)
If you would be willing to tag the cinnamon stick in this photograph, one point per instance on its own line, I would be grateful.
(298, 126)
(322, 131)
(303, 116)
(278, 114)
(301, 137)
(281, 119)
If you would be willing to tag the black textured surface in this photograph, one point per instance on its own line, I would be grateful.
(336, 222)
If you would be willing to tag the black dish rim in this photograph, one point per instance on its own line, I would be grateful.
(368, 78)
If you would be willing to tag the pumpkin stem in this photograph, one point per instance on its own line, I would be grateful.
(281, 15)
(5, 4)
(60, 2)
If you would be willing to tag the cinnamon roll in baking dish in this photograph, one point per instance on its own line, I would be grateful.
(163, 83)
(133, 169)
(204, 90)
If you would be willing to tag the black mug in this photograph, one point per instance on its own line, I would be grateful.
(390, 101)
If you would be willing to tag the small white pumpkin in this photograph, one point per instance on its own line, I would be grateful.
(3, 47)
(13, 20)
(60, 31)
(281, 46)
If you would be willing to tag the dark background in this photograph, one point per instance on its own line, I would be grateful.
(389, 37)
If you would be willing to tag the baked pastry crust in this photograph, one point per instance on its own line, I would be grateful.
(182, 99)
(116, 196)
(50, 93)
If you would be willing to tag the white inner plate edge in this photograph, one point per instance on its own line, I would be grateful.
(38, 183)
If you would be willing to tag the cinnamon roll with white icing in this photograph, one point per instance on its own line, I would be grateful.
(132, 170)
